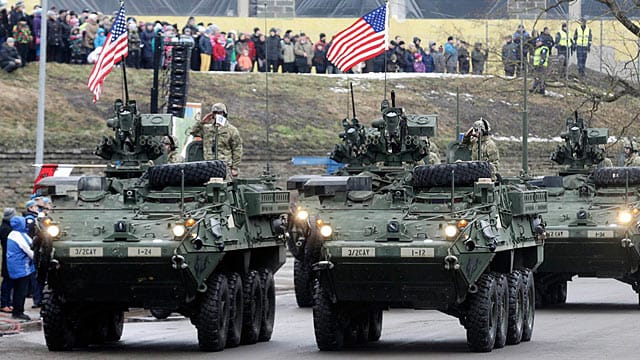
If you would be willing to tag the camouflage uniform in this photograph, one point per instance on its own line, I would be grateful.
(434, 158)
(489, 153)
(632, 160)
(229, 142)
(605, 163)
(174, 157)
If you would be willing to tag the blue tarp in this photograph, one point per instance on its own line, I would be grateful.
(332, 166)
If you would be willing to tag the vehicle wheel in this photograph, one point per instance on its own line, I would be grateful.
(303, 284)
(195, 173)
(482, 316)
(616, 176)
(363, 325)
(327, 322)
(252, 312)
(58, 330)
(160, 314)
(503, 321)
(466, 173)
(561, 293)
(213, 315)
(539, 295)
(115, 326)
(516, 307)
(529, 303)
(236, 307)
(375, 325)
(268, 304)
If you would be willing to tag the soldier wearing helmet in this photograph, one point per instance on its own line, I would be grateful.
(171, 145)
(631, 157)
(481, 130)
(220, 139)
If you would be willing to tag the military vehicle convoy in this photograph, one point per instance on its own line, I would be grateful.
(592, 227)
(443, 237)
(170, 238)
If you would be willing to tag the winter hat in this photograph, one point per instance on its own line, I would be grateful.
(11, 40)
(431, 43)
(30, 203)
(8, 213)
(416, 39)
(417, 55)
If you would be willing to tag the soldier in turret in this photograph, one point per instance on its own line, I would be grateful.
(171, 145)
(481, 130)
(220, 139)
(631, 157)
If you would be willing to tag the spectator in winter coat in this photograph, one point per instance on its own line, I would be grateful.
(19, 264)
(133, 59)
(75, 44)
(261, 52)
(17, 14)
(4, 23)
(463, 58)
(54, 37)
(401, 55)
(9, 57)
(304, 54)
(205, 50)
(7, 282)
(231, 59)
(90, 32)
(146, 45)
(478, 58)
(451, 56)
(439, 64)
(509, 56)
(418, 65)
(273, 50)
(244, 61)
(23, 36)
(429, 63)
(320, 55)
(65, 32)
(288, 56)
(219, 54)
(409, 58)
(101, 37)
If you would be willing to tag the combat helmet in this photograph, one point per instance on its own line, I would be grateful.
(483, 125)
(631, 144)
(170, 140)
(219, 107)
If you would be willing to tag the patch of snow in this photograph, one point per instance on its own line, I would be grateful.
(491, 101)
(400, 86)
(553, 94)
(506, 103)
(339, 90)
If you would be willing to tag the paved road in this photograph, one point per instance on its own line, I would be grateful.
(601, 320)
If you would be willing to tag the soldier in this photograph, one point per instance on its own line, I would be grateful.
(170, 146)
(220, 139)
(631, 157)
(434, 154)
(481, 130)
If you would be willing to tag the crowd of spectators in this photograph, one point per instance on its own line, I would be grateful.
(77, 38)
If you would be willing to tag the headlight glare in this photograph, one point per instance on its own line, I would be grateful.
(624, 217)
(302, 215)
(178, 230)
(450, 231)
(53, 230)
(326, 230)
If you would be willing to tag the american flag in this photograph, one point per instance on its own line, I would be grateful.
(365, 39)
(115, 49)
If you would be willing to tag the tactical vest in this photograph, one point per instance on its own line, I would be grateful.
(583, 36)
(537, 57)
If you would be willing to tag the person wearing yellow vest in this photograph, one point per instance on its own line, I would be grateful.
(564, 44)
(540, 63)
(582, 43)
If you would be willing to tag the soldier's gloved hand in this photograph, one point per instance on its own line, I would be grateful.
(234, 172)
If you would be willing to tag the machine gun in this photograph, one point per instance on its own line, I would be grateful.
(581, 149)
(137, 139)
(394, 139)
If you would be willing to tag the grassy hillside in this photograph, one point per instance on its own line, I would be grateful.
(304, 110)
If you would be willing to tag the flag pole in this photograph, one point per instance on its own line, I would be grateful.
(124, 80)
(266, 92)
(386, 45)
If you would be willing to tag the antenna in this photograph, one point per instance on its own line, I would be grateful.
(393, 98)
(353, 102)
(266, 91)
(124, 80)
(348, 110)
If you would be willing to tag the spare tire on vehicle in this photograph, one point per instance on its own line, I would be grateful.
(616, 176)
(465, 173)
(195, 173)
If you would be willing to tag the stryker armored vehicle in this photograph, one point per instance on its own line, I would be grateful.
(592, 226)
(442, 237)
(170, 238)
(362, 150)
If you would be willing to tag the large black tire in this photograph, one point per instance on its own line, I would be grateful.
(482, 315)
(213, 315)
(616, 176)
(268, 304)
(466, 173)
(327, 321)
(555, 294)
(234, 282)
(160, 313)
(303, 283)
(58, 330)
(252, 313)
(115, 325)
(375, 325)
(516, 308)
(529, 303)
(503, 321)
(195, 173)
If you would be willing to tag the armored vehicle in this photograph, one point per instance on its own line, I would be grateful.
(593, 218)
(170, 238)
(443, 237)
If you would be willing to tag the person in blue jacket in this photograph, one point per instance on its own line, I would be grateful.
(19, 264)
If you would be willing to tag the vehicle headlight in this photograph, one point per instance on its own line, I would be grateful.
(53, 230)
(326, 230)
(625, 217)
(178, 230)
(450, 231)
(302, 215)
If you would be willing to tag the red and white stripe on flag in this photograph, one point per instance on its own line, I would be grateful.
(49, 170)
(116, 47)
(365, 39)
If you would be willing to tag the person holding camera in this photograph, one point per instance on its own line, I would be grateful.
(479, 135)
